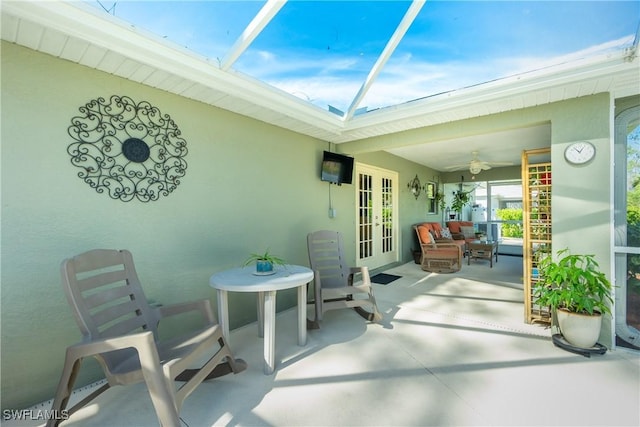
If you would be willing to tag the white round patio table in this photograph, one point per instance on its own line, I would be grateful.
(245, 279)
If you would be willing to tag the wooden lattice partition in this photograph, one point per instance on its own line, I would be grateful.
(536, 189)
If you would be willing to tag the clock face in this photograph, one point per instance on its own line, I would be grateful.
(579, 153)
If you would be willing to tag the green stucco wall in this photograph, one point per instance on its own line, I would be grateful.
(581, 195)
(248, 186)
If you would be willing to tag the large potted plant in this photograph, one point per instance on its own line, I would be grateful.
(579, 293)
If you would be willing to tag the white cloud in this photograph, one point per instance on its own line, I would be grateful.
(266, 56)
(336, 80)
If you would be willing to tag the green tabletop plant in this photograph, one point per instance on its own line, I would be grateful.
(264, 262)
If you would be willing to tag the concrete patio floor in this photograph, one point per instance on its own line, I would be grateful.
(452, 350)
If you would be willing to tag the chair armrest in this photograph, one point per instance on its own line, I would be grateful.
(439, 244)
(203, 306)
(356, 270)
(139, 340)
(364, 271)
(442, 240)
(445, 246)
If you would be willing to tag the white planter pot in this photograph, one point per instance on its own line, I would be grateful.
(580, 330)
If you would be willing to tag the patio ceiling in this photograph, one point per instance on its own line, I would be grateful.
(83, 34)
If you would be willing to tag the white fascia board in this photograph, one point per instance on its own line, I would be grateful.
(85, 23)
(589, 69)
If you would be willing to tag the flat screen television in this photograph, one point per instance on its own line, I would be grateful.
(336, 168)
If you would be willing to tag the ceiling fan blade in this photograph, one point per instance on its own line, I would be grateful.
(457, 167)
(485, 166)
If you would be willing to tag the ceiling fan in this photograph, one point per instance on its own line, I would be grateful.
(476, 165)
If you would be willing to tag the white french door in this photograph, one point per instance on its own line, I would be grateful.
(376, 216)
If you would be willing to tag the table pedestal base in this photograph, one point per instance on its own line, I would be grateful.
(266, 306)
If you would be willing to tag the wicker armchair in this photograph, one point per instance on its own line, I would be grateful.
(438, 257)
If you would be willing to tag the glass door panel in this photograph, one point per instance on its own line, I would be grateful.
(627, 226)
(376, 216)
(365, 219)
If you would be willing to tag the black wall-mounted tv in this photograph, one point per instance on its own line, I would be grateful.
(337, 168)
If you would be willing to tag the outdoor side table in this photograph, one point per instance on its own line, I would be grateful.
(246, 279)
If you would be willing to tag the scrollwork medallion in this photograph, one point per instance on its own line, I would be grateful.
(127, 150)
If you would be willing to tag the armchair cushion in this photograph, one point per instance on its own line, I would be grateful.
(424, 233)
(468, 232)
(424, 228)
(446, 234)
(454, 226)
(456, 230)
(436, 230)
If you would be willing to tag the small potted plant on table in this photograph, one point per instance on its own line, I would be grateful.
(264, 262)
(578, 291)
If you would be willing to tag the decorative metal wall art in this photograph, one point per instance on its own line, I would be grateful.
(127, 150)
(415, 186)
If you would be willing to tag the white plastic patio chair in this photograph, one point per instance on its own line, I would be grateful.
(333, 279)
(120, 330)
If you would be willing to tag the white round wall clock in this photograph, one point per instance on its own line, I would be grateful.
(580, 153)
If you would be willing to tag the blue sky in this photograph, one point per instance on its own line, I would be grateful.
(322, 51)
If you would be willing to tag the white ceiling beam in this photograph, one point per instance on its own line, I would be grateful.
(393, 42)
(255, 27)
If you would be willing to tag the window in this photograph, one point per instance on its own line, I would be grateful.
(432, 204)
(627, 225)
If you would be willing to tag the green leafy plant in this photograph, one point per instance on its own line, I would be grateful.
(510, 229)
(439, 198)
(573, 283)
(460, 199)
(266, 256)
(633, 239)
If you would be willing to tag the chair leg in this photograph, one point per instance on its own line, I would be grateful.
(161, 396)
(373, 315)
(236, 365)
(318, 296)
(312, 324)
(65, 386)
(227, 366)
(370, 316)
(219, 364)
